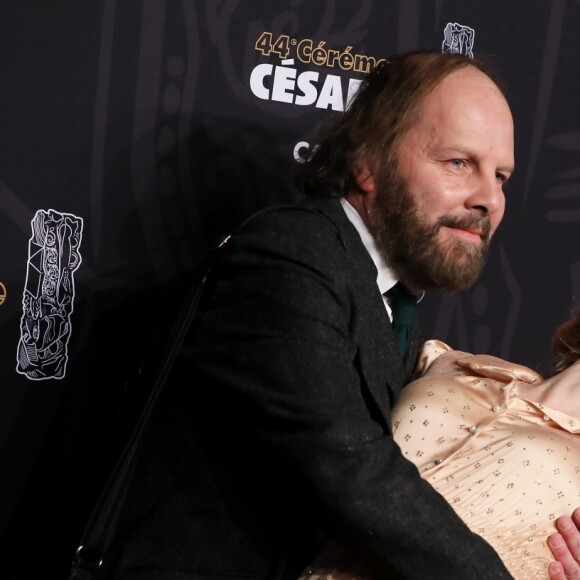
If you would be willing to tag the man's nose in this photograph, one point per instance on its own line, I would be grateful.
(487, 195)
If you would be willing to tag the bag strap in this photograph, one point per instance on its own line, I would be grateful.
(99, 531)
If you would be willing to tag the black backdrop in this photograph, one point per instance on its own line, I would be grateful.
(134, 133)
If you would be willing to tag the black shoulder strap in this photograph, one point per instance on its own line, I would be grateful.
(99, 531)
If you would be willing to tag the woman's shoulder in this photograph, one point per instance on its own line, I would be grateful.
(438, 357)
(430, 351)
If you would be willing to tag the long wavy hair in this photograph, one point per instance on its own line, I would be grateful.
(385, 107)
(566, 344)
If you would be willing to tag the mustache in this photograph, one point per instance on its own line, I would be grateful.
(467, 222)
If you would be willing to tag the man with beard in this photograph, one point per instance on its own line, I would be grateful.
(273, 432)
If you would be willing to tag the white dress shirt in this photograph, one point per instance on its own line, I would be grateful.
(385, 277)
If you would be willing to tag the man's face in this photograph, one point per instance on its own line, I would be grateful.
(435, 213)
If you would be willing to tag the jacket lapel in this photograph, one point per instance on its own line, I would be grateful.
(381, 365)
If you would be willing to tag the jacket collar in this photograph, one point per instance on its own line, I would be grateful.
(380, 362)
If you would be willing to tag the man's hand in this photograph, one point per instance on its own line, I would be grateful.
(565, 546)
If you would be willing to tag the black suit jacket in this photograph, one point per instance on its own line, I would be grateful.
(274, 429)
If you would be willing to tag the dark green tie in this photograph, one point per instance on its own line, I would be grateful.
(404, 307)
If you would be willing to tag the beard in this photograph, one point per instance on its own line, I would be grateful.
(412, 247)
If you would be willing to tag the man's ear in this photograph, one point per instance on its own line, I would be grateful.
(365, 180)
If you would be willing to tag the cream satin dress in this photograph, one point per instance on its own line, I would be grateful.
(482, 434)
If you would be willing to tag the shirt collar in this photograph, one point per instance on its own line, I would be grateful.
(385, 276)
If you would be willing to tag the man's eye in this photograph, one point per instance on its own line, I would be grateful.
(457, 163)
